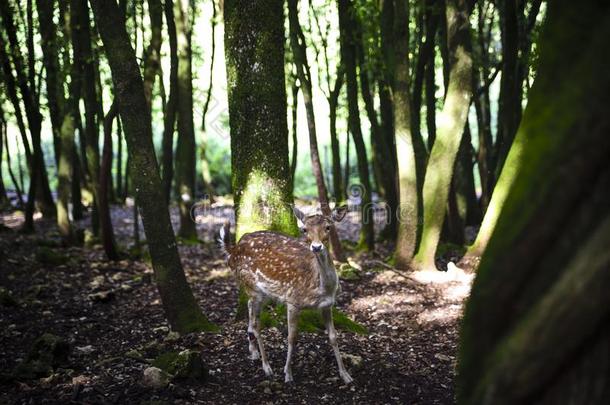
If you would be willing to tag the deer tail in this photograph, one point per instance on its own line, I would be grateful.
(224, 239)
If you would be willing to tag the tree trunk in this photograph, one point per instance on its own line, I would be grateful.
(152, 56)
(509, 101)
(83, 57)
(449, 134)
(254, 50)
(348, 56)
(108, 241)
(181, 309)
(299, 53)
(383, 164)
(407, 177)
(18, 188)
(55, 93)
(32, 109)
(333, 104)
(170, 112)
(536, 325)
(295, 138)
(185, 148)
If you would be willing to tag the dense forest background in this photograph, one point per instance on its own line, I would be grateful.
(467, 138)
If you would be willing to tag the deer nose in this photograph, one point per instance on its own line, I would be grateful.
(316, 247)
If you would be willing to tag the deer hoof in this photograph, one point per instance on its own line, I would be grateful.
(347, 379)
(255, 355)
(267, 369)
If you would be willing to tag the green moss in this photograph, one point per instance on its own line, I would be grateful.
(6, 298)
(310, 320)
(185, 365)
(50, 257)
(46, 354)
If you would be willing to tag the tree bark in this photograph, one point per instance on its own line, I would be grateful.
(295, 136)
(152, 54)
(108, 240)
(254, 53)
(170, 112)
(333, 104)
(509, 101)
(449, 134)
(299, 52)
(83, 57)
(185, 148)
(407, 177)
(181, 309)
(348, 56)
(536, 325)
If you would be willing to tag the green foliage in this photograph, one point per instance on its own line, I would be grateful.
(310, 320)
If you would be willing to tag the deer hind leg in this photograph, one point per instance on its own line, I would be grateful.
(293, 317)
(257, 306)
(332, 338)
(254, 354)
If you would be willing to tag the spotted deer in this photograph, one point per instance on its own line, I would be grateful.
(297, 272)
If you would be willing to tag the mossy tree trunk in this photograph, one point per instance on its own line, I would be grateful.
(449, 133)
(347, 27)
(536, 325)
(254, 52)
(407, 177)
(299, 52)
(181, 309)
(185, 148)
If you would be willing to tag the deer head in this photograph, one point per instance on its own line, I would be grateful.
(316, 228)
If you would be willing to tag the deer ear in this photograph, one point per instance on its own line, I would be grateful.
(300, 216)
(339, 213)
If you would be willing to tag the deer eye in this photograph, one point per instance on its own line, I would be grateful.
(304, 230)
(327, 228)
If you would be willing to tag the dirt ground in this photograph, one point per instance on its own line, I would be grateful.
(408, 357)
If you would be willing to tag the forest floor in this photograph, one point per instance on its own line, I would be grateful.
(111, 316)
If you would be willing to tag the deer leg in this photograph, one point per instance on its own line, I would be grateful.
(293, 317)
(332, 338)
(254, 354)
(257, 306)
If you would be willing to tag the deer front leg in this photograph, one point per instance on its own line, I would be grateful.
(293, 318)
(257, 306)
(254, 354)
(332, 338)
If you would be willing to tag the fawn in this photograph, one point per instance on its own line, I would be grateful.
(271, 265)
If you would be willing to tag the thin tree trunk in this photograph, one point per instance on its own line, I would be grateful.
(208, 97)
(108, 240)
(152, 56)
(295, 138)
(445, 148)
(383, 166)
(181, 309)
(185, 148)
(333, 104)
(509, 101)
(49, 45)
(299, 52)
(348, 55)
(14, 180)
(30, 101)
(119, 161)
(536, 325)
(83, 54)
(170, 112)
